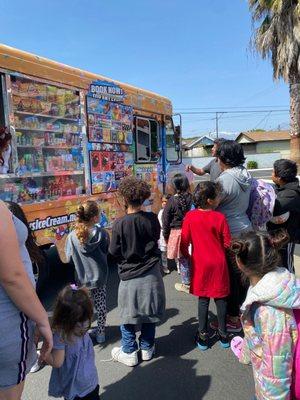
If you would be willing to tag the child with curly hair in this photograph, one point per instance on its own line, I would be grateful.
(87, 245)
(141, 298)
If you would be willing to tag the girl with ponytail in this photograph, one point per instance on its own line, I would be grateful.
(87, 245)
(268, 315)
(174, 212)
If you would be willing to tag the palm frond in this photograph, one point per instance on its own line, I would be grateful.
(276, 25)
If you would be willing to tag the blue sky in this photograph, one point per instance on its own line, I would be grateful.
(194, 52)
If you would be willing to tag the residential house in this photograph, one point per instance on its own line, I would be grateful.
(261, 142)
(197, 147)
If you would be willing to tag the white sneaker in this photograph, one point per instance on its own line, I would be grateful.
(38, 365)
(129, 359)
(148, 354)
(166, 270)
(181, 287)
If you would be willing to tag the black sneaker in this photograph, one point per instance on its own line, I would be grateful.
(202, 340)
(224, 340)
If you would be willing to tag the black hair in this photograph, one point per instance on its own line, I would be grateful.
(134, 191)
(180, 183)
(219, 141)
(181, 187)
(204, 191)
(166, 196)
(231, 153)
(285, 170)
(258, 251)
(33, 249)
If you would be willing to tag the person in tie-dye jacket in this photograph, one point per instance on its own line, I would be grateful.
(267, 314)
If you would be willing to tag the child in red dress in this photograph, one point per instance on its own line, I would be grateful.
(208, 232)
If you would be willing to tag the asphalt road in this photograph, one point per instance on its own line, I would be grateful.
(179, 370)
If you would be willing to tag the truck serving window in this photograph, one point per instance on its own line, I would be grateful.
(172, 153)
(147, 147)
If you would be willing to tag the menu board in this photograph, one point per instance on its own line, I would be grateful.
(108, 168)
(110, 125)
(109, 122)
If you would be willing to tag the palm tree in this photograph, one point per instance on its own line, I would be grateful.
(277, 36)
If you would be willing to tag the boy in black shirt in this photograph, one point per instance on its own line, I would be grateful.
(141, 298)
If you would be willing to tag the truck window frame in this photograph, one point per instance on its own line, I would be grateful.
(179, 157)
(150, 159)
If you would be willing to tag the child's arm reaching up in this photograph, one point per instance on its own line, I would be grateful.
(57, 356)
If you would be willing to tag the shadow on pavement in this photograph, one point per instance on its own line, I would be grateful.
(113, 335)
(157, 381)
(61, 274)
(167, 377)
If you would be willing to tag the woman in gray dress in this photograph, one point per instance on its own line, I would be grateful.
(20, 309)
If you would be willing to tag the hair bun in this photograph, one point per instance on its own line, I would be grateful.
(279, 239)
(239, 247)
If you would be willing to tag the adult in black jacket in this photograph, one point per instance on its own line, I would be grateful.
(287, 206)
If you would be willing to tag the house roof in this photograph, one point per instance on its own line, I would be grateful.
(262, 136)
(193, 142)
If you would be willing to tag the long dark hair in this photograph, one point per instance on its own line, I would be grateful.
(33, 249)
(181, 187)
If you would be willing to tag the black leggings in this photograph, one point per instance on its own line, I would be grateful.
(94, 395)
(238, 289)
(287, 255)
(203, 305)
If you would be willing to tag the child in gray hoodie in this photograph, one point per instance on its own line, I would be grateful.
(87, 245)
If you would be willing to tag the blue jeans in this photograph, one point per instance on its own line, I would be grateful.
(146, 338)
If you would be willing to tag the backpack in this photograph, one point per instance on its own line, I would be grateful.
(261, 204)
(296, 368)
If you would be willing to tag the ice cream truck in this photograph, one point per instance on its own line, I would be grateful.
(76, 135)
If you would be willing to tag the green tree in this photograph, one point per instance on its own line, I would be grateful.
(277, 36)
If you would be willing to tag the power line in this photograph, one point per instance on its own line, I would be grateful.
(232, 112)
(262, 120)
(225, 108)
